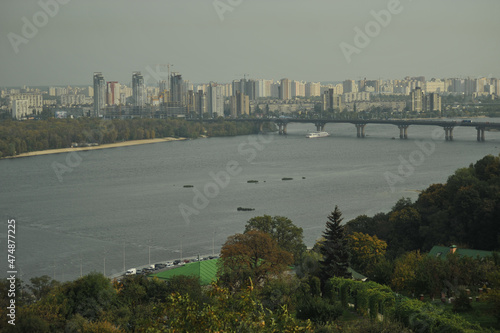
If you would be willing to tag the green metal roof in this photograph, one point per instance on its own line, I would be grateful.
(206, 270)
(356, 275)
(442, 251)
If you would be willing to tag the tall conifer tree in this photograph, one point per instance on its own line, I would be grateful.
(335, 249)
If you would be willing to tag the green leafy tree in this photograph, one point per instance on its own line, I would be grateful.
(404, 276)
(41, 286)
(335, 249)
(288, 236)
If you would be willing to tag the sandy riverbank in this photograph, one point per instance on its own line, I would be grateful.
(105, 146)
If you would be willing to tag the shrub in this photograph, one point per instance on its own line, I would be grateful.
(318, 310)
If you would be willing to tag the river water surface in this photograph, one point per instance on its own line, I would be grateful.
(125, 207)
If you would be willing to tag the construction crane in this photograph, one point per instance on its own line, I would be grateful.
(244, 75)
(162, 67)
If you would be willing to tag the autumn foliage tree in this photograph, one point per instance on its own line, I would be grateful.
(366, 250)
(252, 255)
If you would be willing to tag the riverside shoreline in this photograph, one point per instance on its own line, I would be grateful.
(104, 146)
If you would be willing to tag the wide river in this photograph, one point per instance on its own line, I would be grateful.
(110, 209)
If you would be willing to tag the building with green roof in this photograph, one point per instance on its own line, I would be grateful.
(205, 270)
(442, 251)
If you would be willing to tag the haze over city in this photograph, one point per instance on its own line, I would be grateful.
(222, 40)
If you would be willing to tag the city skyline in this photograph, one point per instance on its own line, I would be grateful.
(221, 40)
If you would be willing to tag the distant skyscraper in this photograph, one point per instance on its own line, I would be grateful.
(434, 102)
(163, 86)
(239, 105)
(298, 89)
(138, 89)
(469, 86)
(457, 86)
(246, 87)
(201, 102)
(350, 86)
(417, 99)
(112, 93)
(238, 85)
(99, 93)
(250, 89)
(479, 84)
(285, 89)
(176, 88)
(275, 90)
(313, 89)
(497, 87)
(20, 108)
(331, 101)
(215, 100)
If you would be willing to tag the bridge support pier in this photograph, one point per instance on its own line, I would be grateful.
(360, 130)
(448, 133)
(282, 128)
(261, 127)
(480, 134)
(403, 131)
(320, 126)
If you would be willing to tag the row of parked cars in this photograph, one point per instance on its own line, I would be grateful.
(155, 267)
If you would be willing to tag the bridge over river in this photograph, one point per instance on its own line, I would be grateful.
(360, 124)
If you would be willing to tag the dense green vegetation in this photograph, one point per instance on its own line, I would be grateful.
(407, 290)
(465, 211)
(17, 137)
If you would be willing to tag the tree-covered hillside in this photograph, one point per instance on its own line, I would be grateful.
(465, 211)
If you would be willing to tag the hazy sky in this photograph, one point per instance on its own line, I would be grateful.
(265, 38)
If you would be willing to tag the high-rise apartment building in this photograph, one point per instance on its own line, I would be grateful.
(350, 86)
(434, 101)
(285, 89)
(331, 101)
(20, 108)
(276, 90)
(298, 89)
(215, 100)
(163, 86)
(262, 88)
(417, 100)
(239, 105)
(457, 86)
(246, 87)
(176, 89)
(112, 93)
(138, 90)
(479, 85)
(312, 89)
(435, 86)
(35, 101)
(375, 84)
(469, 86)
(201, 102)
(99, 94)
